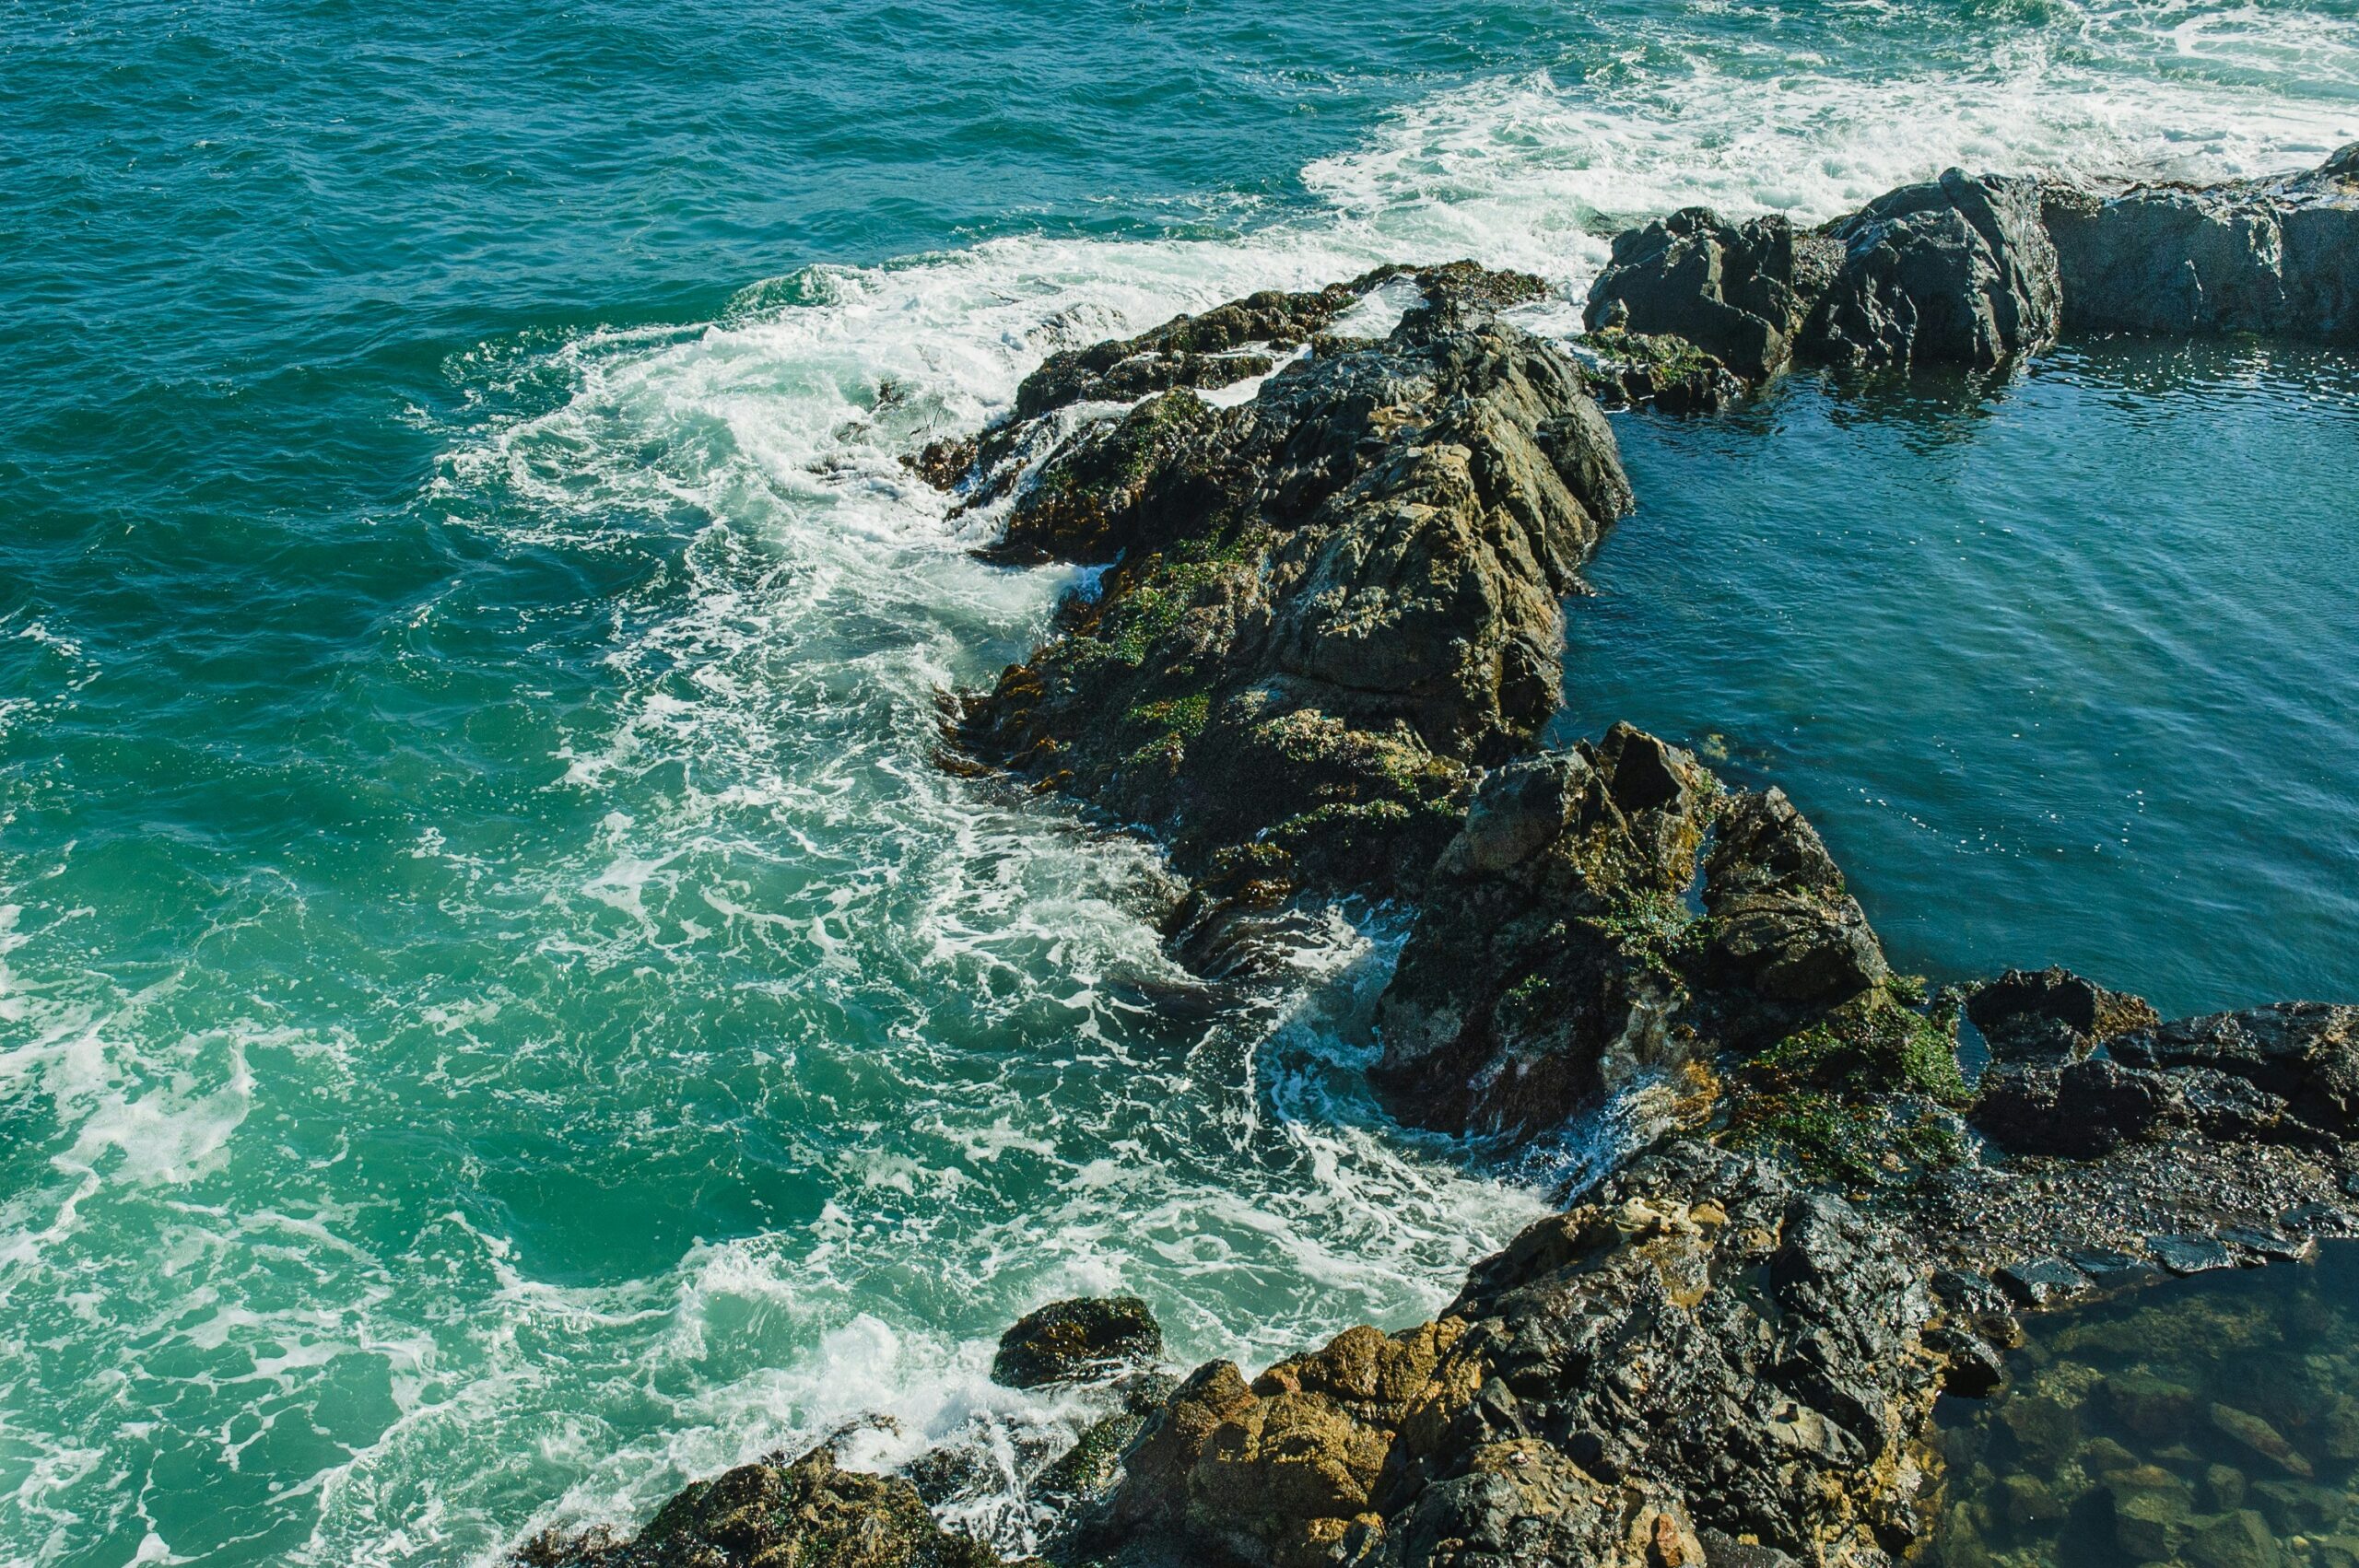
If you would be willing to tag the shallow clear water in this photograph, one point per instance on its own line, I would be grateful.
(2212, 1420)
(498, 1013)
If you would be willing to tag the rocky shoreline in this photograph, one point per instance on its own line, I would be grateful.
(1322, 638)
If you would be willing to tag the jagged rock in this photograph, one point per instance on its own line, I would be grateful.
(1069, 1341)
(1783, 927)
(1332, 601)
(1556, 957)
(1739, 292)
(1537, 976)
(2303, 1056)
(1955, 271)
(771, 1514)
(1702, 1354)
(2278, 256)
(2032, 1014)
(2089, 1108)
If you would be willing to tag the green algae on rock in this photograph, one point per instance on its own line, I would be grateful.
(1326, 605)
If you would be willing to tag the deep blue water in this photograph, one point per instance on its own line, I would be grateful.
(498, 1014)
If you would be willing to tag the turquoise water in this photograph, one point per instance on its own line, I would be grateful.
(497, 1014)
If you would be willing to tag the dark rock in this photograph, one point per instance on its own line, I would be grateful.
(2270, 1245)
(1782, 925)
(2112, 1271)
(1333, 601)
(2080, 1111)
(1658, 370)
(1738, 292)
(2277, 256)
(1537, 976)
(2190, 1255)
(1955, 271)
(1975, 1368)
(1072, 1341)
(2042, 1282)
(1726, 1551)
(1557, 956)
(777, 1515)
(2038, 1014)
(2303, 1054)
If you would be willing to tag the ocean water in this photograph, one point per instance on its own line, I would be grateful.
(500, 1015)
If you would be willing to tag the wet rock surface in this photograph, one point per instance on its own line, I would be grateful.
(1330, 604)
(1740, 292)
(2029, 1015)
(2277, 256)
(1325, 636)
(1704, 1347)
(1558, 957)
(1976, 271)
(776, 1515)
(1070, 1341)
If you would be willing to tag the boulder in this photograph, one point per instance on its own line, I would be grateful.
(1072, 1341)
(2303, 1056)
(1955, 271)
(2052, 1013)
(1739, 292)
(1577, 936)
(775, 1514)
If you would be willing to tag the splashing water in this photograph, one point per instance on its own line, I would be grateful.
(499, 1012)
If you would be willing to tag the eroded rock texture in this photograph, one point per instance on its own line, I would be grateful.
(1327, 604)
(2277, 256)
(1974, 271)
(1558, 955)
(1705, 1352)
(1740, 292)
(809, 1514)
(2032, 1014)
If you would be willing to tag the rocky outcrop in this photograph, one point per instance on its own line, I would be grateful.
(770, 1513)
(1975, 271)
(1955, 271)
(2278, 256)
(1740, 292)
(1558, 957)
(1077, 1340)
(2288, 1074)
(2303, 1054)
(1327, 604)
(2034, 1014)
(1703, 1354)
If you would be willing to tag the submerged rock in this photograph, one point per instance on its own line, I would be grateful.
(1069, 1341)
